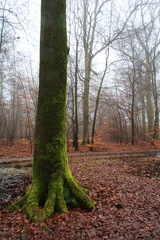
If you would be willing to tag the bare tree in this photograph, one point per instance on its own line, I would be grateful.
(146, 54)
(10, 26)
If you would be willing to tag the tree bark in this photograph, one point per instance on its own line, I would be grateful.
(86, 98)
(97, 101)
(88, 42)
(76, 101)
(53, 186)
(149, 101)
(86, 113)
(156, 114)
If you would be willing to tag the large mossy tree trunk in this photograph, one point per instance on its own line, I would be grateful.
(53, 186)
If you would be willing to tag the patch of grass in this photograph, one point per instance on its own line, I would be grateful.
(126, 166)
(124, 189)
(72, 159)
(116, 159)
(117, 177)
(87, 168)
(20, 165)
(97, 161)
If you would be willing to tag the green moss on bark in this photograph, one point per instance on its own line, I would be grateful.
(53, 186)
(63, 190)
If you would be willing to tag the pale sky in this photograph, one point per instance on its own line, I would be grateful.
(28, 44)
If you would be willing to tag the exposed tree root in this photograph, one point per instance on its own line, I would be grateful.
(62, 190)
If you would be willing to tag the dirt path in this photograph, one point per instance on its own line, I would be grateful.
(83, 154)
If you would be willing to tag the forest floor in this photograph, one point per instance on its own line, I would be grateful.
(125, 185)
(22, 148)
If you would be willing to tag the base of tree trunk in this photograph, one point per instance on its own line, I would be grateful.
(85, 142)
(76, 148)
(62, 190)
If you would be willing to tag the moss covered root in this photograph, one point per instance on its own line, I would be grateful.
(61, 192)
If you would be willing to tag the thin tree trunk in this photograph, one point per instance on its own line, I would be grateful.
(86, 102)
(73, 111)
(120, 127)
(148, 96)
(156, 124)
(76, 100)
(97, 102)
(88, 41)
(132, 109)
(143, 121)
(156, 118)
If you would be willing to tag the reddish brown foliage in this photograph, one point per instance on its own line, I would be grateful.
(100, 146)
(22, 148)
(19, 149)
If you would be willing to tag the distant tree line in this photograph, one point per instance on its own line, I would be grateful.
(113, 74)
